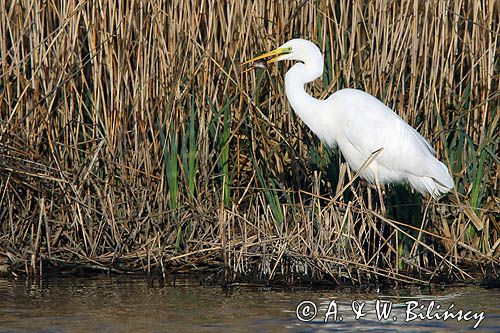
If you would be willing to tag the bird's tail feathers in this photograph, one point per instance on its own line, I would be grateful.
(436, 184)
(441, 175)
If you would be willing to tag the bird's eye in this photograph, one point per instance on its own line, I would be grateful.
(289, 49)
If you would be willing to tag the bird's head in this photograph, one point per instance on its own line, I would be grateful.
(295, 49)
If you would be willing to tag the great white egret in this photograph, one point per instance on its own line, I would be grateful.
(360, 125)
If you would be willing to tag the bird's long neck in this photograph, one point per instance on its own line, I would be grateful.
(297, 77)
(295, 80)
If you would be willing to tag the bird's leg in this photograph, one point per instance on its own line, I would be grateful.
(369, 195)
(381, 194)
(382, 207)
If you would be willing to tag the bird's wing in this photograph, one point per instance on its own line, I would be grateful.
(369, 125)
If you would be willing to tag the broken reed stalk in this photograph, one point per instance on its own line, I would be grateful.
(131, 139)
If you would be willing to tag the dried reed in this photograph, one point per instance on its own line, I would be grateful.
(131, 140)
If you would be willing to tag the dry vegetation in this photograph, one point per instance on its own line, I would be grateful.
(131, 139)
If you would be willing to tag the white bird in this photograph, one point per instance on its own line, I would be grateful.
(360, 125)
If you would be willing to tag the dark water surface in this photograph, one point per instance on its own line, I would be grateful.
(131, 304)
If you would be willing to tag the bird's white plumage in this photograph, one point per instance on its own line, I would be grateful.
(360, 124)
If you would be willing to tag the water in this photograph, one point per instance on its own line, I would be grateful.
(121, 304)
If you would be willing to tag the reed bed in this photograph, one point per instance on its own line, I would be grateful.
(132, 140)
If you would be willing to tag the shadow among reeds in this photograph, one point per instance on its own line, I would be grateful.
(131, 139)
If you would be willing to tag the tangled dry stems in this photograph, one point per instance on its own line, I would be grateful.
(131, 139)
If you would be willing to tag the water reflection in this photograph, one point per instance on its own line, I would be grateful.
(120, 303)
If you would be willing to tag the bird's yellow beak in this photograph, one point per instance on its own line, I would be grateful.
(276, 53)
